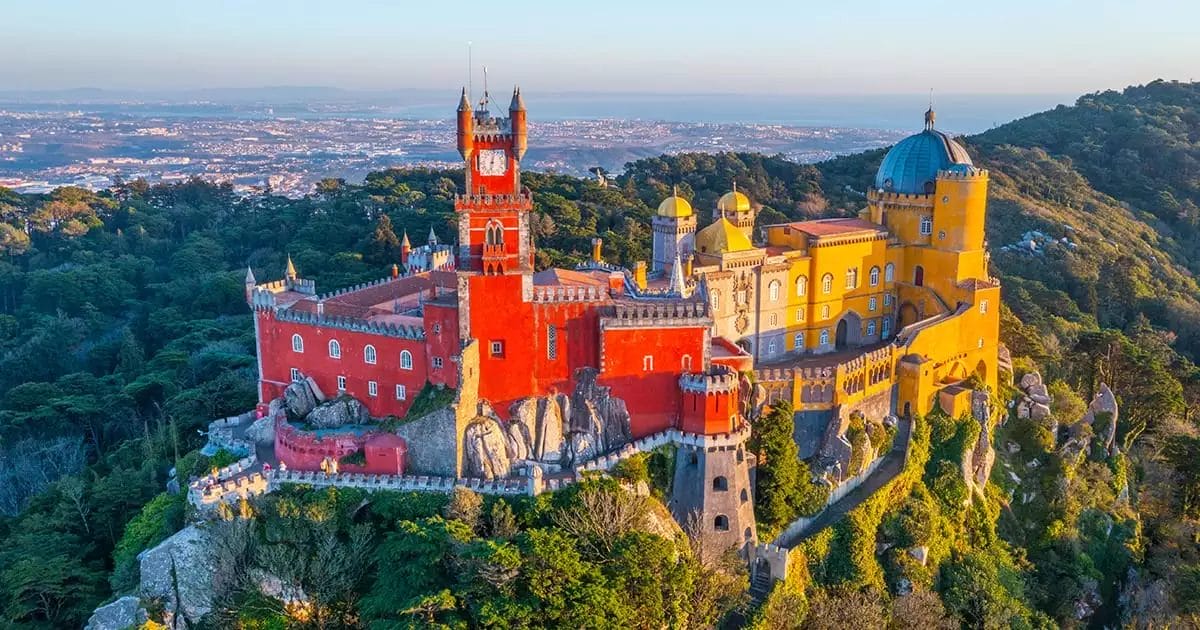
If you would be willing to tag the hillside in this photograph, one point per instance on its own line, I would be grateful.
(125, 331)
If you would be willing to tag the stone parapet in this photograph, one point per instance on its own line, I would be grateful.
(719, 379)
(352, 324)
(657, 314)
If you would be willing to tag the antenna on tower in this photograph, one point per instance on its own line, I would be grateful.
(483, 102)
(470, 74)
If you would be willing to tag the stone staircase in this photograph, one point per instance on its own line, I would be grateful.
(760, 586)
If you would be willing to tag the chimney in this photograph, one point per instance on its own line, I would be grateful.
(687, 267)
(596, 243)
(395, 271)
(639, 274)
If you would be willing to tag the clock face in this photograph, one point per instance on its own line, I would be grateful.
(493, 162)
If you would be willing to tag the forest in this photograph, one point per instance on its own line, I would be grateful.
(124, 331)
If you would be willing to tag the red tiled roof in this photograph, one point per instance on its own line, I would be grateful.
(834, 227)
(568, 277)
(358, 304)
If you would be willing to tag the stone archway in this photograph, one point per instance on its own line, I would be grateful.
(849, 331)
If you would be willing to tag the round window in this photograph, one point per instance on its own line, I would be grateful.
(941, 234)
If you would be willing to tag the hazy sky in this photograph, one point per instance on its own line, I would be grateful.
(831, 46)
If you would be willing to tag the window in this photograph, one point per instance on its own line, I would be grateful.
(871, 328)
(874, 276)
(721, 523)
(335, 349)
(405, 360)
(745, 495)
(798, 341)
(437, 363)
(771, 348)
(887, 327)
(982, 306)
(773, 319)
(401, 393)
(827, 283)
(497, 348)
(551, 342)
(872, 303)
(648, 363)
(852, 277)
(825, 312)
(686, 363)
(296, 374)
(981, 342)
(369, 355)
(887, 299)
(773, 290)
(372, 389)
(825, 337)
(802, 286)
(720, 484)
(889, 272)
(715, 299)
(341, 383)
(297, 343)
(926, 225)
(800, 314)
(437, 328)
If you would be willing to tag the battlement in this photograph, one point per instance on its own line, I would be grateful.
(963, 173)
(657, 313)
(568, 294)
(777, 375)
(357, 287)
(719, 380)
(520, 201)
(900, 199)
(355, 325)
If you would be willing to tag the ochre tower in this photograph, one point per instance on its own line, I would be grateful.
(674, 233)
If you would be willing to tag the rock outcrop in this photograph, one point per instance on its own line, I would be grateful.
(262, 431)
(1035, 404)
(485, 449)
(1102, 415)
(978, 462)
(179, 573)
(338, 412)
(599, 422)
(535, 428)
(126, 612)
(299, 399)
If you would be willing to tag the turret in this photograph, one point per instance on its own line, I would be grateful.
(466, 128)
(432, 237)
(520, 134)
(405, 249)
(290, 272)
(250, 283)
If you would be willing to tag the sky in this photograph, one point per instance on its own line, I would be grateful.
(747, 46)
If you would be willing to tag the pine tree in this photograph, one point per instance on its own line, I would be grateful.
(384, 247)
(778, 476)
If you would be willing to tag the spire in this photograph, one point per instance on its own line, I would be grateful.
(677, 276)
(929, 115)
(735, 185)
(674, 190)
(518, 103)
(463, 104)
(290, 272)
(250, 276)
(432, 236)
(405, 242)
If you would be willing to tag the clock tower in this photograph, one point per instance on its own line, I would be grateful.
(493, 214)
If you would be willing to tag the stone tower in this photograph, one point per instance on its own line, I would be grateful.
(674, 233)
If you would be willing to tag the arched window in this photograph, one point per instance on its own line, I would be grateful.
(686, 363)
(871, 328)
(715, 298)
(889, 272)
(827, 283)
(773, 290)
(919, 276)
(887, 327)
(798, 341)
(369, 355)
(297, 343)
(335, 349)
(773, 319)
(494, 235)
(748, 534)
(926, 225)
(802, 286)
(771, 348)
(825, 312)
(874, 276)
(852, 278)
(720, 484)
(721, 523)
(405, 360)
(872, 303)
(825, 337)
(745, 495)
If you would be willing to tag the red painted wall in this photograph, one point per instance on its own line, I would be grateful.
(441, 340)
(652, 396)
(709, 414)
(386, 454)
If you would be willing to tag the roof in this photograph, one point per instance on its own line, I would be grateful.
(359, 304)
(722, 236)
(733, 201)
(675, 207)
(912, 165)
(834, 227)
(567, 277)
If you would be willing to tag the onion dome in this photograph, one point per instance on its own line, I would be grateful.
(720, 237)
(733, 201)
(912, 165)
(675, 207)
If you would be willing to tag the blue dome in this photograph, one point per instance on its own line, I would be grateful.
(911, 167)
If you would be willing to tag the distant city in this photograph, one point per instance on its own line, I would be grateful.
(287, 147)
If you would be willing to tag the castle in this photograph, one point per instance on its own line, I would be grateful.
(558, 370)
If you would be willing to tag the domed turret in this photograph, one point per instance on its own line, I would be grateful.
(733, 201)
(911, 167)
(675, 207)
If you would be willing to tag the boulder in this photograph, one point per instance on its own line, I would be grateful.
(593, 409)
(299, 400)
(1104, 405)
(1023, 409)
(977, 465)
(535, 429)
(262, 431)
(179, 572)
(126, 612)
(920, 554)
(485, 450)
(339, 412)
(1029, 380)
(1039, 411)
(315, 389)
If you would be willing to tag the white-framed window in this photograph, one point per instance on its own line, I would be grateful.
(685, 363)
(926, 225)
(887, 299)
(825, 337)
(295, 374)
(889, 272)
(982, 306)
(871, 328)
(827, 283)
(886, 327)
(401, 392)
(369, 355)
(772, 348)
(773, 319)
(798, 341)
(372, 389)
(297, 343)
(802, 286)
(872, 303)
(874, 276)
(773, 290)
(714, 298)
(437, 363)
(852, 277)
(800, 314)
(405, 360)
(335, 349)
(341, 383)
(551, 342)
(497, 348)
(825, 312)
(981, 342)
(648, 363)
